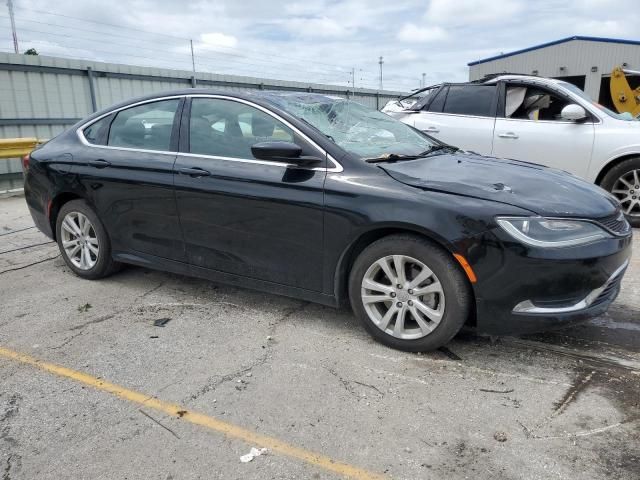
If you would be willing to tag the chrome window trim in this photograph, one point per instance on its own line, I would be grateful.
(337, 167)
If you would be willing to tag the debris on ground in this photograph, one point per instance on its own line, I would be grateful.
(85, 308)
(255, 452)
(500, 436)
(489, 390)
(161, 322)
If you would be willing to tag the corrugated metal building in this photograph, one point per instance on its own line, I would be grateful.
(586, 62)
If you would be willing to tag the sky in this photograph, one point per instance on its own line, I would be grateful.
(321, 41)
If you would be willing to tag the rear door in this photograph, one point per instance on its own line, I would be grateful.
(461, 115)
(241, 215)
(126, 169)
(530, 128)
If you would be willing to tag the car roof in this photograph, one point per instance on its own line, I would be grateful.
(489, 79)
(263, 97)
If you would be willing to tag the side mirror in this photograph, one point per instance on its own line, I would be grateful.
(278, 151)
(573, 113)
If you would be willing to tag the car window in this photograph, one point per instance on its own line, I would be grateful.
(96, 132)
(525, 102)
(146, 126)
(477, 100)
(225, 128)
(437, 103)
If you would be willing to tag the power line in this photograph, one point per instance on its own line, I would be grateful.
(240, 65)
(184, 39)
(238, 62)
(324, 74)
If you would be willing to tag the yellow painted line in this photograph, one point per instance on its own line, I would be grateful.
(212, 423)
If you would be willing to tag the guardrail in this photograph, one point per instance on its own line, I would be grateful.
(17, 147)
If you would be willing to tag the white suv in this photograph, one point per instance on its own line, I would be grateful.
(535, 119)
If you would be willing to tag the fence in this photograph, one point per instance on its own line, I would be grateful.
(41, 96)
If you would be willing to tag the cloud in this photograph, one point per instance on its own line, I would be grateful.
(217, 39)
(306, 40)
(410, 32)
(318, 27)
(469, 12)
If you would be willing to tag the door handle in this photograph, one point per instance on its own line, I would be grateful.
(508, 135)
(99, 163)
(431, 130)
(194, 172)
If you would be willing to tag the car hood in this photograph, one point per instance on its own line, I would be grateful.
(544, 191)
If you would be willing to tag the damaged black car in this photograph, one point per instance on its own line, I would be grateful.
(323, 199)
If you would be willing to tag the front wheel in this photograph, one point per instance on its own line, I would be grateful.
(623, 181)
(409, 293)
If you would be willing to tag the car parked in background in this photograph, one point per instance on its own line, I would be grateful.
(323, 199)
(540, 120)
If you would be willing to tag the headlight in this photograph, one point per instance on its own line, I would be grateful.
(550, 232)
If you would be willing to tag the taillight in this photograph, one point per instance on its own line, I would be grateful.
(25, 163)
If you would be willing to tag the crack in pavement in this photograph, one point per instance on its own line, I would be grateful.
(218, 380)
(14, 460)
(103, 318)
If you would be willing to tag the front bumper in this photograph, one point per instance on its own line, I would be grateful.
(523, 289)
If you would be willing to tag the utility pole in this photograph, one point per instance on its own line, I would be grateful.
(353, 77)
(193, 63)
(424, 83)
(13, 26)
(381, 62)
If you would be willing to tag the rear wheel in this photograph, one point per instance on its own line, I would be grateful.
(409, 293)
(623, 181)
(83, 241)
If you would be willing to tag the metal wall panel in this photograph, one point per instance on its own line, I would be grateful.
(36, 88)
(577, 56)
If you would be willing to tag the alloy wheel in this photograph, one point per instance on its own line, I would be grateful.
(403, 297)
(627, 190)
(79, 240)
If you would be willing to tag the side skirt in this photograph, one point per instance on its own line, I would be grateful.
(163, 264)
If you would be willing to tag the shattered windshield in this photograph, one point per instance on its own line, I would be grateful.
(360, 130)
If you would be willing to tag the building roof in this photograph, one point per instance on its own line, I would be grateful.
(556, 42)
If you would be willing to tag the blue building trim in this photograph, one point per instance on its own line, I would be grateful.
(556, 42)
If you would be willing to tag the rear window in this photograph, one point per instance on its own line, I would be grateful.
(147, 126)
(96, 133)
(476, 100)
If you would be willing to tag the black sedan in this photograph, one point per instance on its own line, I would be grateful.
(323, 199)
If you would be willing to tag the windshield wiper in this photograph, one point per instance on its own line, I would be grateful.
(395, 157)
(392, 157)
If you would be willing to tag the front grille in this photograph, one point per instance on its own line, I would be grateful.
(616, 223)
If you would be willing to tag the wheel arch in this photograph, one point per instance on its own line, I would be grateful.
(56, 204)
(366, 238)
(612, 163)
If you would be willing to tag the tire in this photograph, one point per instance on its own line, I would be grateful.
(613, 182)
(449, 301)
(85, 263)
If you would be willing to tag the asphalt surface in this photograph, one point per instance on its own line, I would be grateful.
(560, 405)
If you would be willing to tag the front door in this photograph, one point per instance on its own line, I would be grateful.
(531, 129)
(241, 215)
